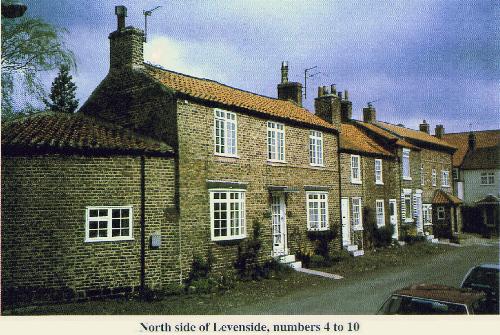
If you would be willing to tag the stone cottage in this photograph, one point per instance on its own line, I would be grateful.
(88, 209)
(241, 158)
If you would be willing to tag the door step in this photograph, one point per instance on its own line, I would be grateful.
(290, 261)
(357, 253)
(429, 237)
(351, 247)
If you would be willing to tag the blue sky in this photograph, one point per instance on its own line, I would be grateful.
(433, 60)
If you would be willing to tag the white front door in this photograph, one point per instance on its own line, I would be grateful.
(418, 213)
(278, 212)
(393, 216)
(346, 222)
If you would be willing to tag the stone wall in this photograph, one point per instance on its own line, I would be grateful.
(44, 199)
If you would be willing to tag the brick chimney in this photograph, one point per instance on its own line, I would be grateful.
(289, 90)
(369, 113)
(472, 141)
(424, 126)
(439, 131)
(126, 44)
(345, 108)
(327, 105)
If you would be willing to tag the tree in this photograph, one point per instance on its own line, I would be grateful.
(62, 92)
(29, 46)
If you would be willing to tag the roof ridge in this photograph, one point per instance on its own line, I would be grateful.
(159, 67)
(473, 131)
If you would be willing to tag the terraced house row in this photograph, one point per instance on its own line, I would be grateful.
(159, 166)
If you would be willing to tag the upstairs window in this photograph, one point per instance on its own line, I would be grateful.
(422, 175)
(355, 169)
(487, 178)
(317, 210)
(378, 171)
(379, 206)
(275, 141)
(434, 177)
(226, 133)
(108, 224)
(406, 164)
(445, 178)
(316, 148)
(227, 211)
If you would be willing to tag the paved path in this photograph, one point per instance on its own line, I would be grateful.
(366, 293)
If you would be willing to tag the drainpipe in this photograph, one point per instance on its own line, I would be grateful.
(143, 226)
(340, 191)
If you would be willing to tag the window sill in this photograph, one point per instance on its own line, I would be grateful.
(226, 156)
(317, 165)
(318, 229)
(428, 224)
(357, 182)
(408, 221)
(357, 228)
(446, 186)
(274, 161)
(407, 178)
(122, 239)
(231, 238)
(379, 183)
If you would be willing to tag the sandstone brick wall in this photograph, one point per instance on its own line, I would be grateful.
(43, 222)
(433, 159)
(197, 164)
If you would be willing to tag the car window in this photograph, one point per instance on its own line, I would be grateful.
(482, 278)
(412, 305)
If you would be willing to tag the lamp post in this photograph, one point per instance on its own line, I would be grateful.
(13, 10)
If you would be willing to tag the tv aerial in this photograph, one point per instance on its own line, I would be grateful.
(146, 14)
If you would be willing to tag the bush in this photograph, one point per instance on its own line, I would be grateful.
(203, 286)
(411, 239)
(382, 237)
(338, 256)
(304, 256)
(322, 240)
(174, 289)
(274, 269)
(247, 261)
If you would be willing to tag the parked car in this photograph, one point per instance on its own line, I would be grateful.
(434, 299)
(484, 278)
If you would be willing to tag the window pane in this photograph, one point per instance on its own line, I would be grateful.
(93, 213)
(103, 212)
(93, 225)
(116, 223)
(115, 213)
(92, 233)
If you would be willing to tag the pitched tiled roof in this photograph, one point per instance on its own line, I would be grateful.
(443, 198)
(216, 92)
(485, 138)
(354, 139)
(74, 132)
(386, 135)
(414, 135)
(488, 200)
(482, 158)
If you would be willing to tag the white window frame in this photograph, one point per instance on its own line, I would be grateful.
(445, 178)
(406, 173)
(487, 178)
(228, 201)
(441, 215)
(317, 201)
(356, 208)
(379, 178)
(422, 174)
(407, 211)
(380, 212)
(315, 148)
(354, 169)
(427, 214)
(434, 177)
(108, 218)
(225, 123)
(276, 142)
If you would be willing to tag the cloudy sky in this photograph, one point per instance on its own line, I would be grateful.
(433, 60)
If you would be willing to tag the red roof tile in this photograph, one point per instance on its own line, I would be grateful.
(69, 132)
(353, 138)
(387, 135)
(443, 198)
(485, 138)
(216, 92)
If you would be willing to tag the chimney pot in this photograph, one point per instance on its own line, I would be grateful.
(325, 90)
(339, 94)
(334, 89)
(289, 91)
(121, 13)
(320, 91)
(346, 95)
(284, 72)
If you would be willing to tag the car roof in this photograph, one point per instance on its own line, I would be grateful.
(489, 266)
(441, 293)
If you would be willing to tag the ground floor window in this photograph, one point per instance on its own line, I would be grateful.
(227, 211)
(406, 206)
(108, 223)
(379, 206)
(356, 214)
(317, 210)
(440, 213)
(427, 214)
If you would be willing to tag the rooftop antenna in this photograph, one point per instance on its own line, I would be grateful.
(370, 103)
(306, 75)
(146, 14)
